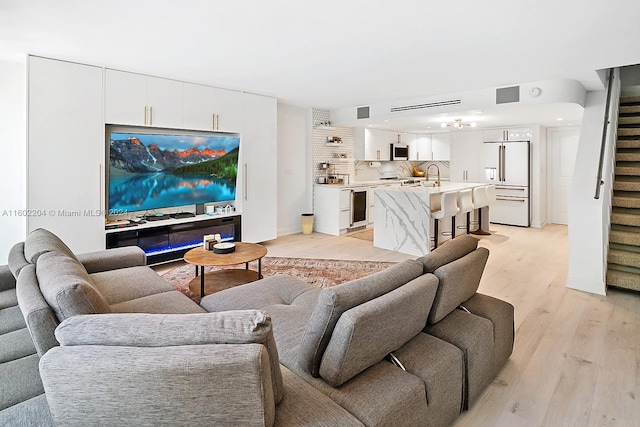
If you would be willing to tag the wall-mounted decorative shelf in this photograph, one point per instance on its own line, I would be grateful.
(341, 159)
(325, 127)
(334, 144)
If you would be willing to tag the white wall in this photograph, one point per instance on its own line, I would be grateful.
(13, 155)
(294, 167)
(589, 217)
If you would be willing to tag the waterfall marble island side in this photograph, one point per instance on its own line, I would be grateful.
(403, 220)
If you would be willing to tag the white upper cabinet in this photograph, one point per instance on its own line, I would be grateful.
(440, 146)
(126, 98)
(421, 149)
(515, 134)
(136, 99)
(211, 108)
(165, 101)
(373, 144)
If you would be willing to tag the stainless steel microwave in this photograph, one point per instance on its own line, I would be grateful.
(399, 152)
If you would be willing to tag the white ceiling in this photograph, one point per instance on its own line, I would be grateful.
(333, 53)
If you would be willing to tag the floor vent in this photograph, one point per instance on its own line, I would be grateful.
(427, 105)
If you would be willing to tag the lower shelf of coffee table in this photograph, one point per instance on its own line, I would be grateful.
(216, 281)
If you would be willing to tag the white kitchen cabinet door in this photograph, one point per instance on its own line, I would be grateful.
(227, 106)
(66, 152)
(493, 135)
(474, 141)
(198, 107)
(458, 167)
(125, 98)
(373, 144)
(166, 103)
(258, 171)
(441, 146)
(421, 148)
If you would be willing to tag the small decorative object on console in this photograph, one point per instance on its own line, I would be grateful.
(224, 248)
(210, 240)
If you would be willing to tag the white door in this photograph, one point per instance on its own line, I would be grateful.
(227, 105)
(441, 146)
(458, 165)
(258, 174)
(66, 147)
(564, 146)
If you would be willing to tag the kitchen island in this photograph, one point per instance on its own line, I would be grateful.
(403, 220)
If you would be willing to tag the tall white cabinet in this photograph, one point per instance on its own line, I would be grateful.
(465, 155)
(258, 179)
(66, 152)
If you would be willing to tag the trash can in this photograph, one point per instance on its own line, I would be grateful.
(307, 223)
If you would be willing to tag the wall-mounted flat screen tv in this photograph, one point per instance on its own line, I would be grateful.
(157, 169)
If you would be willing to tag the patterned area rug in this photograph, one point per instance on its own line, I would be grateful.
(320, 272)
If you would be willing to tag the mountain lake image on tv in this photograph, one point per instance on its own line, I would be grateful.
(152, 170)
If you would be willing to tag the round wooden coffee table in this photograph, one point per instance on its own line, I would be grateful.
(223, 279)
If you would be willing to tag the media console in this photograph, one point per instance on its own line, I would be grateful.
(170, 239)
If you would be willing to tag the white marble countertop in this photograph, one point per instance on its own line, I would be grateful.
(443, 188)
(377, 182)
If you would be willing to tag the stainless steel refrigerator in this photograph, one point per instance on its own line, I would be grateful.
(507, 165)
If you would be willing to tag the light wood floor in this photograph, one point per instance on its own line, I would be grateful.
(576, 360)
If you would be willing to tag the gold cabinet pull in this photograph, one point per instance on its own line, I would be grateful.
(150, 116)
(145, 114)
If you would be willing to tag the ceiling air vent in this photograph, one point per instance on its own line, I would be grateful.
(427, 105)
(508, 94)
(363, 112)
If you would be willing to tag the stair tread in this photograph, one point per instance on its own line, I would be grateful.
(631, 99)
(623, 279)
(625, 109)
(627, 143)
(624, 120)
(624, 258)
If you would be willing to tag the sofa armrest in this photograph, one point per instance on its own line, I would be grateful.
(113, 259)
(7, 281)
(211, 384)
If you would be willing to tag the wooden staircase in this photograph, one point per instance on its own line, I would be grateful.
(624, 240)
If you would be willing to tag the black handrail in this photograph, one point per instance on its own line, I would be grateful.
(605, 128)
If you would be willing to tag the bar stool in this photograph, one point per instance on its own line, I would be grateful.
(480, 200)
(448, 208)
(465, 204)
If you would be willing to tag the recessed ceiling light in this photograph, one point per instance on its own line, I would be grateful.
(559, 119)
(386, 121)
(477, 112)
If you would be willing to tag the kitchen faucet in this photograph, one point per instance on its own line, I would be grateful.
(437, 183)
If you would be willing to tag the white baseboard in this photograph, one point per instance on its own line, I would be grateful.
(285, 231)
(594, 287)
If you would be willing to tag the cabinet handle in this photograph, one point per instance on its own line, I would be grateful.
(417, 155)
(213, 121)
(145, 114)
(100, 189)
(217, 121)
(150, 116)
(378, 155)
(246, 187)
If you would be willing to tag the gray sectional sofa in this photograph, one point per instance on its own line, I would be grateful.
(111, 343)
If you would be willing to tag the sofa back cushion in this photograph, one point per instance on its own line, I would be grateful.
(67, 287)
(365, 334)
(166, 330)
(448, 252)
(459, 281)
(41, 241)
(334, 301)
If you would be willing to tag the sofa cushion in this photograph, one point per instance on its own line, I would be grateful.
(23, 371)
(66, 286)
(172, 302)
(33, 412)
(459, 280)
(450, 251)
(334, 301)
(11, 319)
(126, 284)
(15, 345)
(41, 241)
(8, 298)
(365, 334)
(144, 330)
